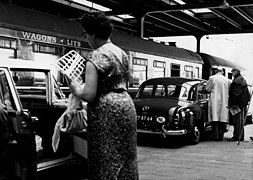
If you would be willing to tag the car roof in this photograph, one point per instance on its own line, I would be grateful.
(24, 64)
(170, 80)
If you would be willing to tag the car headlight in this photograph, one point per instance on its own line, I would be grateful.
(179, 116)
(183, 115)
(160, 119)
(176, 119)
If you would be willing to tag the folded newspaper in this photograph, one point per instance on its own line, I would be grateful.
(234, 110)
(72, 65)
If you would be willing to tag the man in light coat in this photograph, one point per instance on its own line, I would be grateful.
(218, 87)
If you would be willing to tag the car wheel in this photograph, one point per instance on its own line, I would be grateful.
(194, 136)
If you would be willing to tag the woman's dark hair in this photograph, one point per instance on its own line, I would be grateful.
(98, 24)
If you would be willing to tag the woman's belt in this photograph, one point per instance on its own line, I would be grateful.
(120, 90)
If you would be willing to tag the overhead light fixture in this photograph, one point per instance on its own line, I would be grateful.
(224, 4)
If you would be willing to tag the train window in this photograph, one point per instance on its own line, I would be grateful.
(140, 61)
(159, 64)
(158, 72)
(43, 48)
(159, 69)
(8, 43)
(224, 71)
(139, 75)
(139, 71)
(230, 75)
(197, 72)
(188, 71)
(175, 70)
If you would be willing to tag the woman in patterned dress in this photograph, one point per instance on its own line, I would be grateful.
(111, 133)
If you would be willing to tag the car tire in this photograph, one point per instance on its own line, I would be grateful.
(194, 136)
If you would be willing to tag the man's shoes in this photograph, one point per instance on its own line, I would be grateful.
(236, 139)
(232, 139)
(251, 138)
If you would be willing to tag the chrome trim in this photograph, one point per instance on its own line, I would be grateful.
(54, 163)
(148, 132)
(145, 108)
(13, 90)
(174, 132)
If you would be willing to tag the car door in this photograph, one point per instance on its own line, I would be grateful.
(40, 95)
(18, 157)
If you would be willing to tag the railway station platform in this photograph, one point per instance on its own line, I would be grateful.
(208, 160)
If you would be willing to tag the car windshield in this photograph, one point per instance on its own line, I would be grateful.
(163, 91)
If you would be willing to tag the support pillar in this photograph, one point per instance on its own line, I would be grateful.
(198, 38)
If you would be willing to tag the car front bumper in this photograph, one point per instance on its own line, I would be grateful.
(179, 132)
(164, 132)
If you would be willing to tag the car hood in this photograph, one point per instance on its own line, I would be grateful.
(158, 105)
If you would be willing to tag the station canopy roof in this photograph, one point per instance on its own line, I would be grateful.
(158, 18)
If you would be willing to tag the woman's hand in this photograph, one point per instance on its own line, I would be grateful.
(75, 87)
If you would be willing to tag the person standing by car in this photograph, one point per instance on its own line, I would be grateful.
(239, 98)
(218, 87)
(112, 125)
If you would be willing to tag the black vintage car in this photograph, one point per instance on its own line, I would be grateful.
(35, 88)
(173, 106)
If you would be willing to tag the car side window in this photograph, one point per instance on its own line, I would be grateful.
(192, 93)
(30, 82)
(146, 91)
(5, 93)
(201, 92)
(160, 90)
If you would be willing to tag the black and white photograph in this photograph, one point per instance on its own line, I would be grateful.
(126, 89)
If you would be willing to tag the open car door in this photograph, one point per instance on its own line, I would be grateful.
(17, 138)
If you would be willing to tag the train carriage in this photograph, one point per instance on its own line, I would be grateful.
(150, 59)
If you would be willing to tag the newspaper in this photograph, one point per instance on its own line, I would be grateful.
(234, 110)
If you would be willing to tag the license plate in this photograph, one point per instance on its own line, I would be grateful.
(144, 118)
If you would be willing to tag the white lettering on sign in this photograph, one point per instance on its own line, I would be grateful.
(73, 43)
(39, 37)
(50, 39)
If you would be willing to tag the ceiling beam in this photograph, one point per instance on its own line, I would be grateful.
(199, 6)
(73, 5)
(243, 14)
(171, 24)
(169, 2)
(208, 26)
(125, 28)
(174, 9)
(226, 18)
(188, 23)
